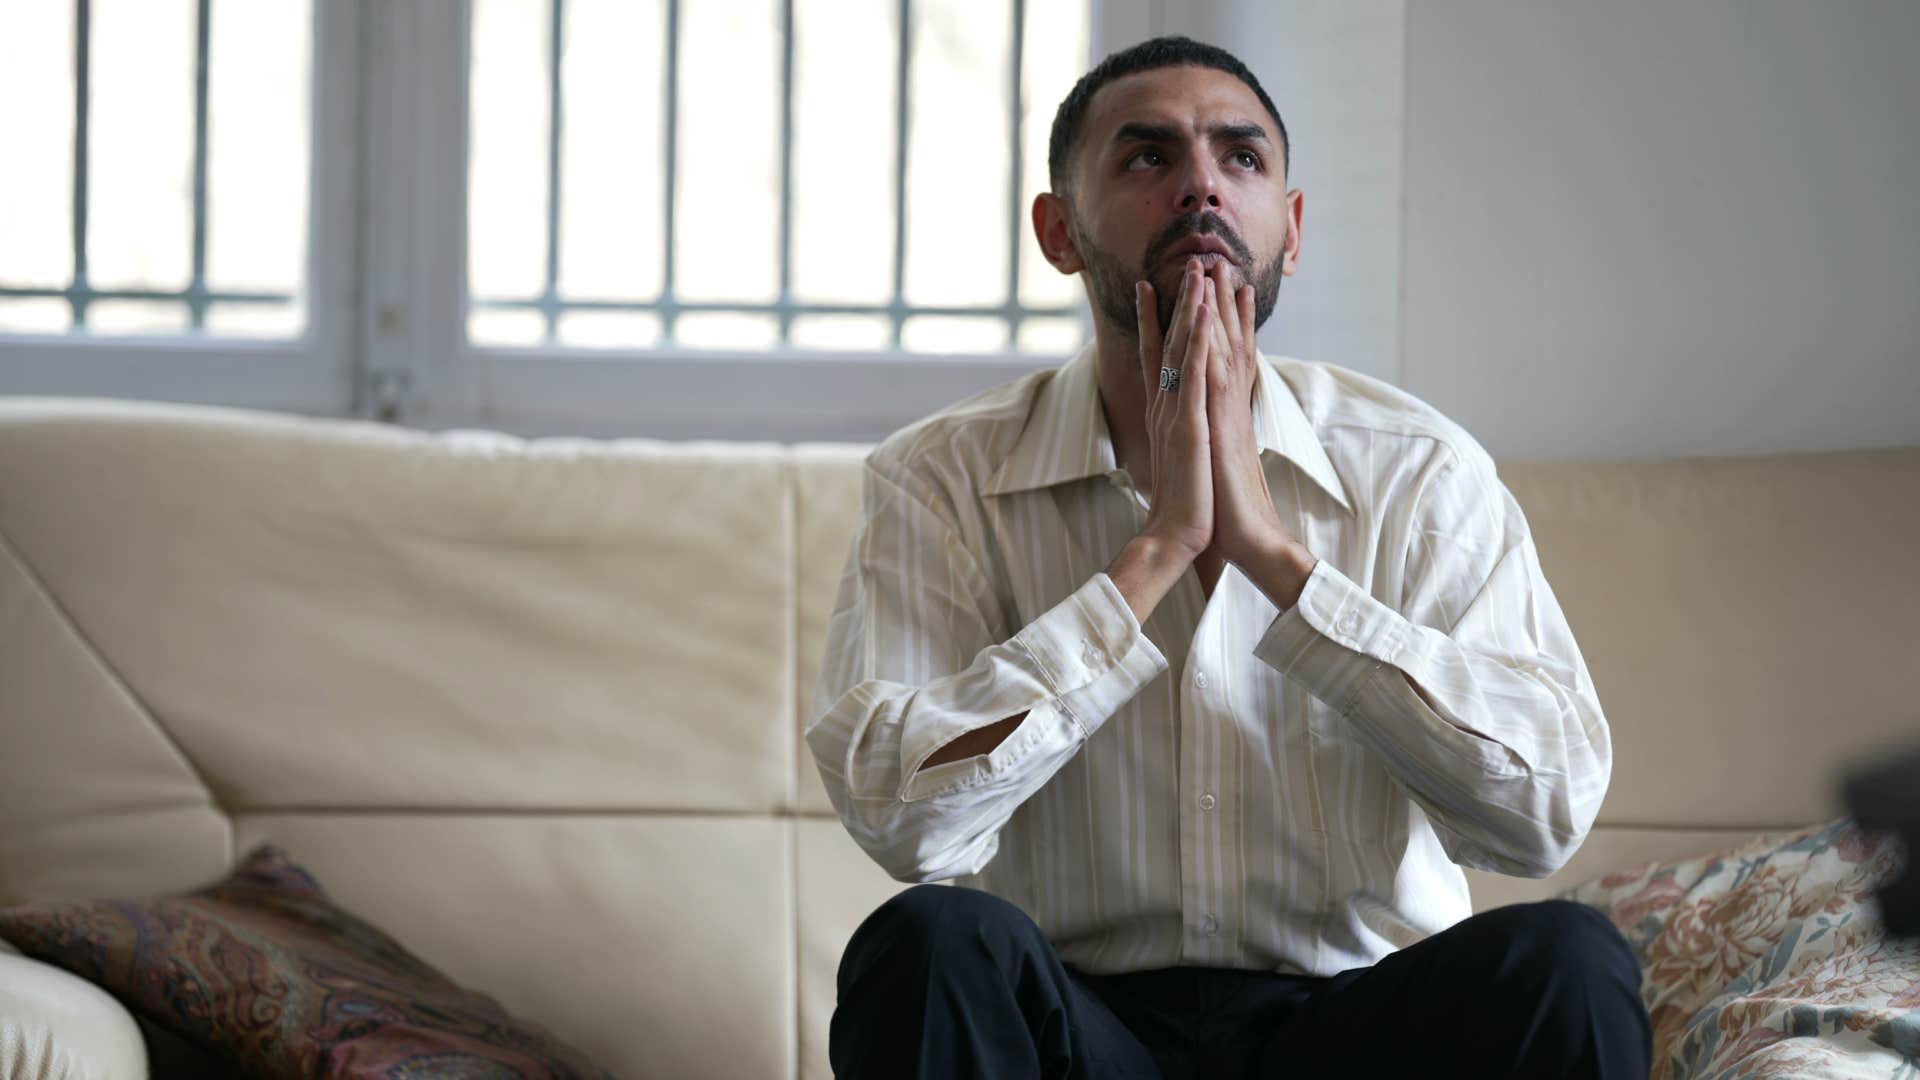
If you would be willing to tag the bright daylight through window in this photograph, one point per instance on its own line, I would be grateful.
(751, 175)
(168, 149)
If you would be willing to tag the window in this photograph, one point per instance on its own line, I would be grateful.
(601, 217)
(177, 214)
(767, 174)
(168, 144)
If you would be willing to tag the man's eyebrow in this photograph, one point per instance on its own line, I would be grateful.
(1239, 133)
(1134, 131)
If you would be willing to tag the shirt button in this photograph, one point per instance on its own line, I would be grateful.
(1206, 802)
(1091, 654)
(1209, 927)
(1349, 622)
(1200, 679)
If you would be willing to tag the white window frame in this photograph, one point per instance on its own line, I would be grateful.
(386, 334)
(668, 392)
(311, 374)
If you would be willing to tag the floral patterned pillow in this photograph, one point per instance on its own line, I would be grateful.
(270, 975)
(1769, 960)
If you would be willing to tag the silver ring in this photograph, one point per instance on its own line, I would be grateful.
(1170, 379)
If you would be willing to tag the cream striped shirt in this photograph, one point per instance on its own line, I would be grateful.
(1229, 785)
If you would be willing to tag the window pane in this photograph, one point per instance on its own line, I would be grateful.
(507, 163)
(1055, 56)
(506, 326)
(257, 110)
(958, 153)
(954, 334)
(723, 330)
(726, 228)
(846, 332)
(609, 329)
(255, 320)
(137, 317)
(140, 144)
(1050, 337)
(36, 204)
(35, 315)
(612, 134)
(846, 58)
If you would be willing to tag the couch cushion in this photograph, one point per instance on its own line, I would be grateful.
(660, 945)
(125, 811)
(332, 613)
(1769, 958)
(55, 1025)
(1743, 620)
(266, 971)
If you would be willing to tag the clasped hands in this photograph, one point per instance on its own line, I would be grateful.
(1207, 489)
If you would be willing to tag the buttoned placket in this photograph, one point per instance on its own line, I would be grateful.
(1200, 702)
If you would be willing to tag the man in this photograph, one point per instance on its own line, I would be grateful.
(1201, 674)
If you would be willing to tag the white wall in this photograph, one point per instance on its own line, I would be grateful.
(1651, 229)
(1611, 230)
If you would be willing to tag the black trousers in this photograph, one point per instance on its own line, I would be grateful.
(942, 981)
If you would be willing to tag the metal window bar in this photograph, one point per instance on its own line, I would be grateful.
(197, 287)
(669, 309)
(79, 292)
(900, 132)
(550, 304)
(549, 298)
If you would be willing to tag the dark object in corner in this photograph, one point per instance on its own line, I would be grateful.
(1885, 797)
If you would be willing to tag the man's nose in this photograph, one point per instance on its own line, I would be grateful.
(1199, 188)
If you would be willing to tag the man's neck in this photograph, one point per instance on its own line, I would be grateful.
(1123, 400)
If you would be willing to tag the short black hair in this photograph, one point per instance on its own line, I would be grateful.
(1160, 52)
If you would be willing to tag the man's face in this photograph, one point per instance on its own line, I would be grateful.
(1173, 161)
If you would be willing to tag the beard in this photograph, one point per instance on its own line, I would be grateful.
(1110, 279)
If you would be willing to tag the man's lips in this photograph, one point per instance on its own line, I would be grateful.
(1203, 246)
(1208, 259)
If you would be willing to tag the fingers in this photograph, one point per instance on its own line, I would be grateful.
(1197, 348)
(1154, 347)
(1225, 303)
(1224, 360)
(1147, 317)
(1184, 312)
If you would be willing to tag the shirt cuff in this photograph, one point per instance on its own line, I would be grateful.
(1094, 651)
(1073, 667)
(1334, 638)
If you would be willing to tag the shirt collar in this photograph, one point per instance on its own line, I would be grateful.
(1066, 435)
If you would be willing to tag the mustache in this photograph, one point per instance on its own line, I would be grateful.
(1198, 223)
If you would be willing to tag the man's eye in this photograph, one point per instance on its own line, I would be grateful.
(1248, 158)
(1143, 155)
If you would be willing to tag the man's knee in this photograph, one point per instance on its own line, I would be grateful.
(941, 920)
(1569, 939)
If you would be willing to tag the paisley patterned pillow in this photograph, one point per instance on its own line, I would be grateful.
(270, 975)
(1769, 959)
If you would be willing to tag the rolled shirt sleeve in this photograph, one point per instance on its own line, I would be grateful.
(1512, 758)
(916, 657)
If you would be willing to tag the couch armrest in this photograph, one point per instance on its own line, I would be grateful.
(55, 1025)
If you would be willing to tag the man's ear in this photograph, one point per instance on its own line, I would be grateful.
(1053, 227)
(1290, 252)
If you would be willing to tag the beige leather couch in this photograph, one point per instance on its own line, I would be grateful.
(535, 706)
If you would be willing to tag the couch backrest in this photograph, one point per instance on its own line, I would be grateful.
(534, 705)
